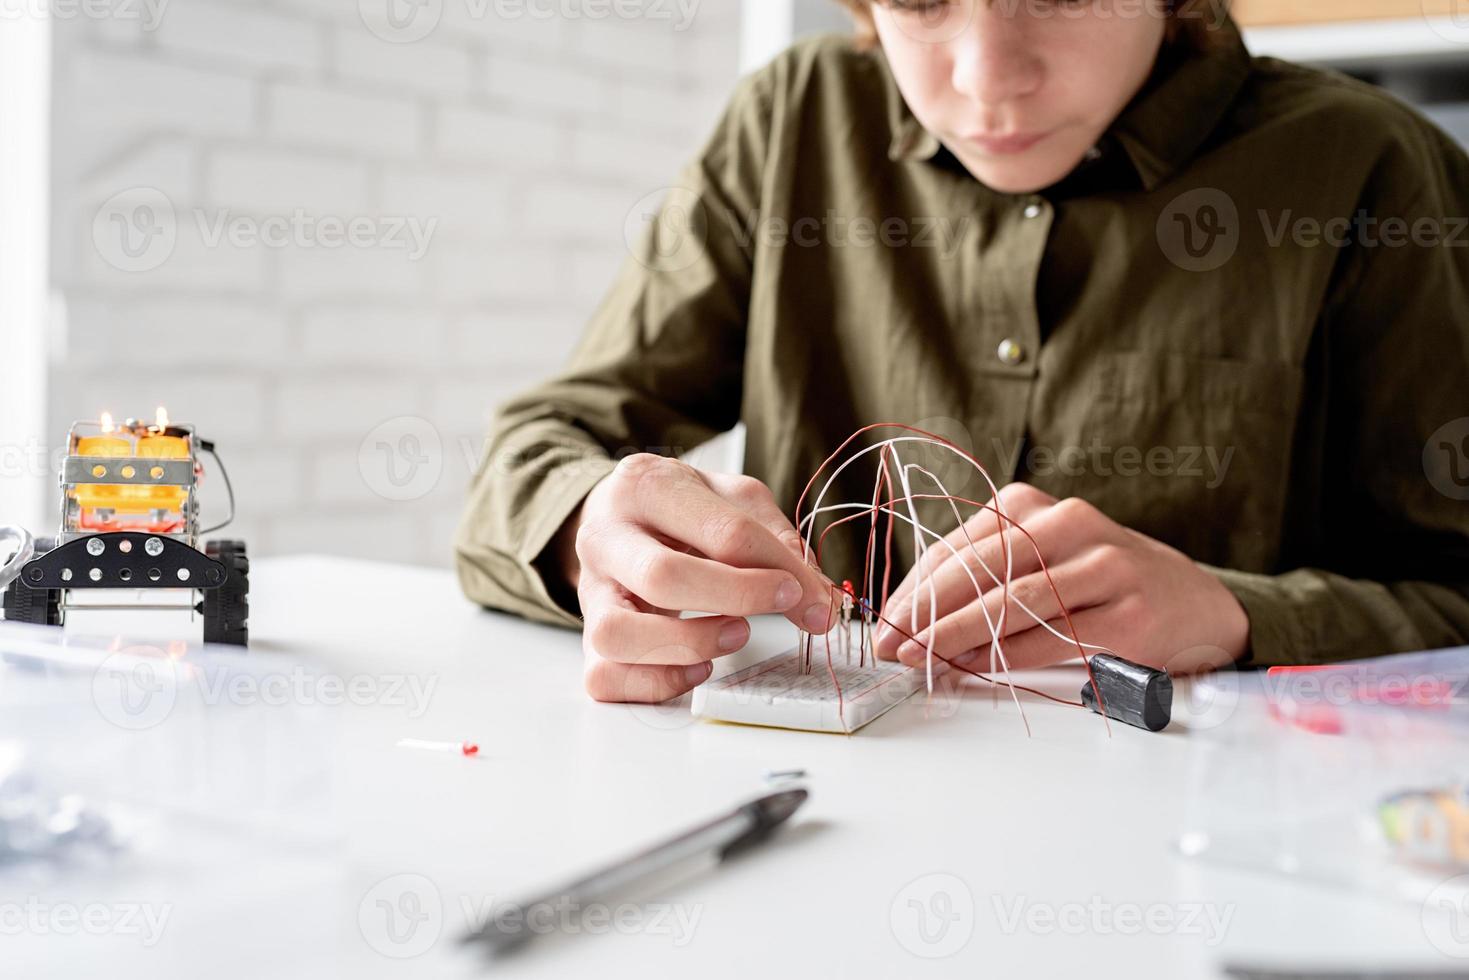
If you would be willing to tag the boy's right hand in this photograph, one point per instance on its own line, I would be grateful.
(657, 538)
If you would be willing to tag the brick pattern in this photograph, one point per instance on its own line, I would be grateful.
(484, 154)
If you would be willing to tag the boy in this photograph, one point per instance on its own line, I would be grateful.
(1206, 315)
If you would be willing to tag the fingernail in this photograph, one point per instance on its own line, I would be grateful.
(909, 651)
(817, 617)
(733, 636)
(698, 673)
(787, 595)
(883, 633)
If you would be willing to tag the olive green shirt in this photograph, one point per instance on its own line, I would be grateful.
(1240, 327)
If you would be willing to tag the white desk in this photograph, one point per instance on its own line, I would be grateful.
(1064, 820)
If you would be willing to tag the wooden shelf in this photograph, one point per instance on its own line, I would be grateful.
(1262, 13)
(1365, 43)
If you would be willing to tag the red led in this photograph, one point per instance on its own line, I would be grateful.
(469, 748)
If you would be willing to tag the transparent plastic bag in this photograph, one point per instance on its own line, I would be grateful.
(1345, 776)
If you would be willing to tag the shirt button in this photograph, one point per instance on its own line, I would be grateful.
(1010, 352)
(1032, 210)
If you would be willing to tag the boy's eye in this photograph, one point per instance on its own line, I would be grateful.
(932, 9)
(928, 13)
(918, 6)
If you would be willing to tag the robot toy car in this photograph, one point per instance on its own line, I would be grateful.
(130, 521)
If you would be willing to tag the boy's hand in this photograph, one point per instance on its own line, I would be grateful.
(658, 537)
(1136, 596)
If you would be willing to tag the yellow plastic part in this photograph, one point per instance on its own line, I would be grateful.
(163, 447)
(133, 498)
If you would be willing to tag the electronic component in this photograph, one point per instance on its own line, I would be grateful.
(465, 748)
(1130, 693)
(1429, 827)
(837, 696)
(899, 485)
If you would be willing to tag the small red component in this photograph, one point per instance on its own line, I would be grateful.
(469, 748)
(848, 589)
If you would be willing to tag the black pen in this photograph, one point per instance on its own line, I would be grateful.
(739, 830)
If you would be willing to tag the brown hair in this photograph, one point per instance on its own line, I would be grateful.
(1194, 23)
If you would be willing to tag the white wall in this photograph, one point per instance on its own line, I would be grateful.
(328, 375)
(25, 70)
(819, 17)
(769, 26)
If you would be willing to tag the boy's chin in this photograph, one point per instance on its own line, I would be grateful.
(1021, 175)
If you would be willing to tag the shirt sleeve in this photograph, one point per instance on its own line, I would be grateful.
(659, 369)
(1391, 541)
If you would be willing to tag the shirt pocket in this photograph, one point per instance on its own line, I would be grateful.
(1209, 441)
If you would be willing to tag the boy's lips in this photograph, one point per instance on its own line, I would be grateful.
(1005, 144)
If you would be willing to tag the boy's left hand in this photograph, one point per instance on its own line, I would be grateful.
(1135, 596)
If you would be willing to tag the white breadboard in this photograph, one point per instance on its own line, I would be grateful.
(778, 694)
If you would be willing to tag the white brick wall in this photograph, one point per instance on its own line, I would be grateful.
(446, 70)
(266, 181)
(339, 119)
(521, 140)
(206, 32)
(477, 136)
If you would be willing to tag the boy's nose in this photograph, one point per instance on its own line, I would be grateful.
(993, 60)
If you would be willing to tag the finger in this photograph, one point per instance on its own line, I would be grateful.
(677, 502)
(617, 630)
(1020, 503)
(1017, 500)
(1041, 648)
(961, 581)
(1031, 602)
(952, 579)
(670, 579)
(1059, 533)
(608, 680)
(755, 498)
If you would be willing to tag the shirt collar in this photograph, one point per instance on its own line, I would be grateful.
(1184, 101)
(910, 140)
(1163, 126)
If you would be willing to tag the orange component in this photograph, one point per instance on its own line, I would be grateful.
(163, 447)
(89, 522)
(104, 446)
(130, 498)
(160, 498)
(102, 494)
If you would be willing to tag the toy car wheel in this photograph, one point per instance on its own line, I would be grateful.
(39, 607)
(227, 608)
